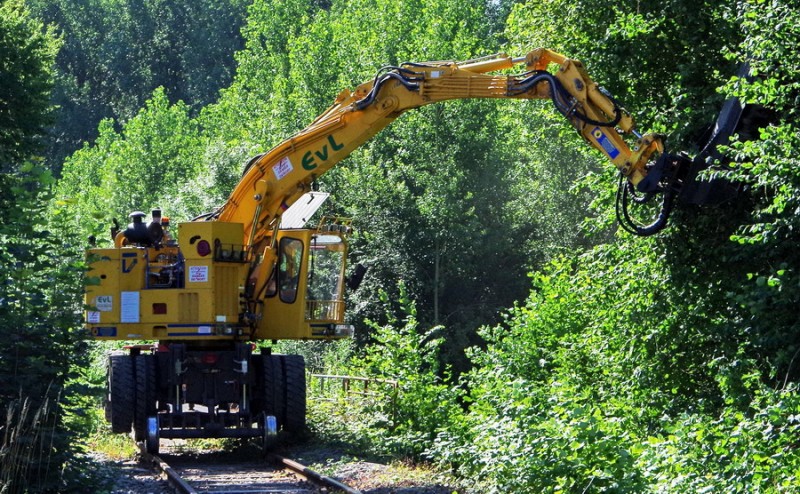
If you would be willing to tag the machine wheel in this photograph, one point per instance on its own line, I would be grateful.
(294, 371)
(152, 439)
(145, 405)
(119, 408)
(272, 393)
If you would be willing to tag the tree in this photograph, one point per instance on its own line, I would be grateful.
(39, 275)
(27, 52)
(154, 161)
(116, 53)
(41, 339)
(763, 160)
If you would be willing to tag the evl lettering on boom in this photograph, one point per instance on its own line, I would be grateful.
(308, 158)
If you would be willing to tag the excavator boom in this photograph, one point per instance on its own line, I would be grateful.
(279, 177)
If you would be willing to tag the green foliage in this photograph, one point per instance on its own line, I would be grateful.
(39, 276)
(145, 165)
(41, 340)
(116, 53)
(257, 110)
(579, 373)
(321, 357)
(27, 52)
(410, 416)
(768, 168)
(739, 451)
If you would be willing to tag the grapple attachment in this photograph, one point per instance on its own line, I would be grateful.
(678, 176)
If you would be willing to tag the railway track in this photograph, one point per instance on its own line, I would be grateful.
(223, 473)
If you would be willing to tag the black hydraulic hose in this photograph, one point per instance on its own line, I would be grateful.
(560, 96)
(420, 65)
(611, 123)
(639, 199)
(401, 68)
(629, 225)
(251, 162)
(409, 84)
(206, 216)
(617, 113)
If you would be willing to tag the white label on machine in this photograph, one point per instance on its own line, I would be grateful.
(104, 303)
(204, 330)
(129, 307)
(198, 274)
(93, 317)
(283, 168)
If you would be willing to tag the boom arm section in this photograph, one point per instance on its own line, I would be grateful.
(274, 180)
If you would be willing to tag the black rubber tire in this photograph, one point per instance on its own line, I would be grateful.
(294, 372)
(145, 405)
(121, 389)
(272, 389)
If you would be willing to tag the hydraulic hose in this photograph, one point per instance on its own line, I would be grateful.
(627, 222)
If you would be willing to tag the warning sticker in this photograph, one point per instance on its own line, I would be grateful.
(283, 168)
(104, 303)
(198, 274)
(93, 317)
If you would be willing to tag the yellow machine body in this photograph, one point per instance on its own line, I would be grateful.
(197, 292)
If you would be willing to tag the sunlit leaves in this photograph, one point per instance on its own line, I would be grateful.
(116, 53)
(155, 156)
(27, 54)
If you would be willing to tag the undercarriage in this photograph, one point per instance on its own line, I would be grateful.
(175, 391)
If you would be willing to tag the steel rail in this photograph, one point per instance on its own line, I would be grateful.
(172, 477)
(311, 475)
(182, 487)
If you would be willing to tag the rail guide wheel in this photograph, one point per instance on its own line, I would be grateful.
(269, 436)
(152, 438)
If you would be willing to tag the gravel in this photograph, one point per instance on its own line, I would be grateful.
(129, 477)
(132, 476)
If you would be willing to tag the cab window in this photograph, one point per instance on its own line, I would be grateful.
(289, 264)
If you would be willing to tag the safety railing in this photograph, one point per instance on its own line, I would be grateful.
(324, 310)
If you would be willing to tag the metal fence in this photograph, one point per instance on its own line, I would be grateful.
(365, 390)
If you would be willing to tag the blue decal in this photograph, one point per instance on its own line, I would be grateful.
(106, 331)
(605, 143)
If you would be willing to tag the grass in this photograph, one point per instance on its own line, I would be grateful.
(116, 447)
(26, 445)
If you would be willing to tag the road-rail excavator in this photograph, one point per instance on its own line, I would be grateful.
(250, 271)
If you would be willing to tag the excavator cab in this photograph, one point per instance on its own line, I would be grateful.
(304, 297)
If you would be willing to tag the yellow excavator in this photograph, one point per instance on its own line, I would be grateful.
(197, 300)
